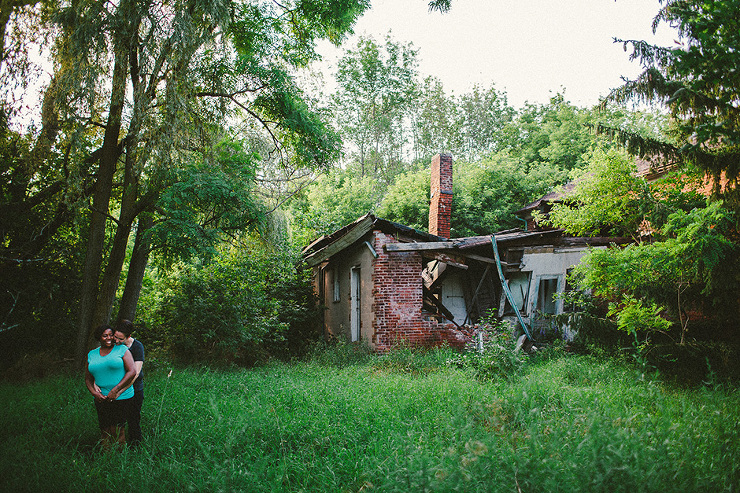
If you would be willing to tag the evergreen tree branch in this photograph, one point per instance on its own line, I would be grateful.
(640, 146)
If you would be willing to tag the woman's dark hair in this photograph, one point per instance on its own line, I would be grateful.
(125, 327)
(98, 332)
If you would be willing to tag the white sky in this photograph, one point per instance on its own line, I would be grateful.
(529, 48)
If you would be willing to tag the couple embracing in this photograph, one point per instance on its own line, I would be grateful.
(113, 376)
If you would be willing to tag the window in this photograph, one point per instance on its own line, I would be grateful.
(569, 305)
(514, 257)
(546, 302)
(335, 281)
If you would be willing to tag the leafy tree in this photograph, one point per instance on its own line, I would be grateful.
(407, 200)
(336, 199)
(692, 268)
(440, 5)
(633, 316)
(696, 245)
(484, 113)
(556, 133)
(698, 81)
(435, 122)
(605, 200)
(377, 87)
(190, 65)
(487, 193)
(686, 251)
(208, 198)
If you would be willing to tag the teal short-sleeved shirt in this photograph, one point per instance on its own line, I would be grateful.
(109, 370)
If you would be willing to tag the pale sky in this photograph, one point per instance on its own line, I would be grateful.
(529, 48)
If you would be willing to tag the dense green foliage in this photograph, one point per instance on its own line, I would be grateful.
(692, 272)
(697, 79)
(681, 276)
(406, 422)
(681, 283)
(519, 155)
(605, 200)
(245, 306)
(184, 123)
(335, 199)
(139, 93)
(406, 201)
(489, 192)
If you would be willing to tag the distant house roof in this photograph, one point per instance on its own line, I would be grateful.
(653, 168)
(648, 168)
(554, 196)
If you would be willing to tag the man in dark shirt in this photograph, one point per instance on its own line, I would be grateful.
(123, 336)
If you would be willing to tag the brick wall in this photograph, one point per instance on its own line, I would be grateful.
(440, 206)
(397, 302)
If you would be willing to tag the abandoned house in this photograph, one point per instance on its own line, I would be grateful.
(383, 282)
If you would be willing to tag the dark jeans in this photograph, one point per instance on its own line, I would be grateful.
(114, 413)
(134, 417)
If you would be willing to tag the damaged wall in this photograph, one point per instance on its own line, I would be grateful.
(547, 268)
(397, 301)
(340, 278)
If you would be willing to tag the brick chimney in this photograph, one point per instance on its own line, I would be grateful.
(440, 205)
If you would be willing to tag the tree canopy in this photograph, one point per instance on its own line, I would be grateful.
(140, 92)
(377, 87)
(699, 81)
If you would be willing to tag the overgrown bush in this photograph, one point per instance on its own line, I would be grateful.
(244, 307)
(591, 331)
(38, 299)
(497, 358)
(696, 362)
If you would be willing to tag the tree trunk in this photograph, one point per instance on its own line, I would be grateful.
(100, 206)
(112, 273)
(126, 218)
(130, 206)
(136, 269)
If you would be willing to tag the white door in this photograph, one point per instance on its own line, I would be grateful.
(453, 297)
(355, 305)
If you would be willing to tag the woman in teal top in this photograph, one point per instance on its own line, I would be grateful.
(108, 376)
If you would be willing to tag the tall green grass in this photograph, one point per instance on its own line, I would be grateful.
(408, 421)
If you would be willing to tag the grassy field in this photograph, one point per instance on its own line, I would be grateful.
(402, 423)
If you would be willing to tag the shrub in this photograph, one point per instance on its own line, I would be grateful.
(591, 331)
(243, 308)
(696, 362)
(635, 316)
(497, 358)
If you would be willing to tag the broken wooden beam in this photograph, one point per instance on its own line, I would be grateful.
(418, 247)
(436, 245)
(445, 259)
